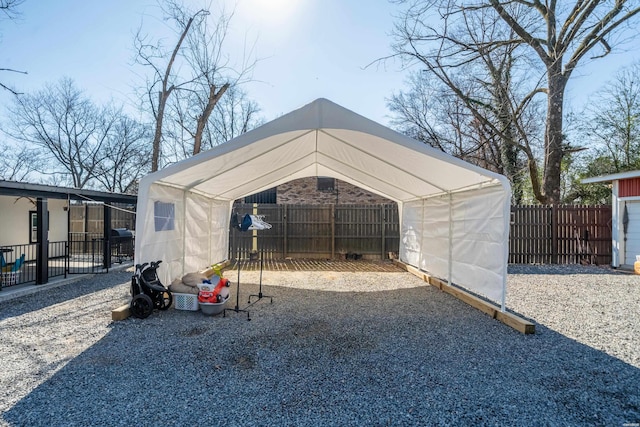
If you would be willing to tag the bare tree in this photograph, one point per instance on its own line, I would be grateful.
(62, 122)
(9, 10)
(428, 112)
(164, 80)
(559, 36)
(474, 107)
(205, 55)
(612, 121)
(202, 78)
(126, 155)
(233, 115)
(610, 127)
(18, 163)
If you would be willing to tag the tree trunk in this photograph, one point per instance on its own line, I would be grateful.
(553, 135)
(214, 97)
(157, 136)
(164, 95)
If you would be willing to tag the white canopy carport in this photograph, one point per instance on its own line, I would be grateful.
(454, 215)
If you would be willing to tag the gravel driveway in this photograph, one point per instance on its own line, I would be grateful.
(328, 351)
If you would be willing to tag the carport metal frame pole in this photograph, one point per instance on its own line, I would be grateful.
(450, 266)
(505, 255)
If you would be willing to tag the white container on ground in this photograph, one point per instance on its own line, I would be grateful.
(211, 309)
(187, 302)
(9, 278)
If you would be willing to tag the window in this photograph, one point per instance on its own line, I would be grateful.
(33, 236)
(164, 215)
(266, 196)
(33, 227)
(326, 184)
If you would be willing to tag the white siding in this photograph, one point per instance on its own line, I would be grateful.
(15, 225)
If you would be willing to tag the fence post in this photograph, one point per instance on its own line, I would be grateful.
(106, 242)
(554, 234)
(383, 226)
(333, 231)
(284, 231)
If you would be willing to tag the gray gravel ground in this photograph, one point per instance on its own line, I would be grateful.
(408, 356)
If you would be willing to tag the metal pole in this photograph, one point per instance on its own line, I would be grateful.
(450, 272)
(382, 231)
(284, 231)
(333, 231)
(42, 233)
(106, 232)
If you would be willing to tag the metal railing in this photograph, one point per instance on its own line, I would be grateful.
(83, 253)
(26, 272)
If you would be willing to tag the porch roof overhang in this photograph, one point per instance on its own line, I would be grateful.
(13, 188)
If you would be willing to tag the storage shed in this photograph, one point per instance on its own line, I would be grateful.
(454, 216)
(625, 212)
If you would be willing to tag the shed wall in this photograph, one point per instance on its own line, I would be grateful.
(629, 187)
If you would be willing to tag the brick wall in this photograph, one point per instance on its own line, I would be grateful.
(305, 191)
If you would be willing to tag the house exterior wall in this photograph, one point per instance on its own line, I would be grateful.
(305, 191)
(15, 220)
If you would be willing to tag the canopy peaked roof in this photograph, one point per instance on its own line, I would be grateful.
(184, 210)
(325, 139)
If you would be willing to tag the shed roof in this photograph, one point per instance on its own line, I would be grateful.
(612, 177)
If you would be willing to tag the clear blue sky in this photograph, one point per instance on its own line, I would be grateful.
(309, 49)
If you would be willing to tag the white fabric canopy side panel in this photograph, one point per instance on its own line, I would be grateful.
(435, 239)
(425, 228)
(481, 240)
(159, 229)
(480, 237)
(220, 216)
(197, 237)
(411, 237)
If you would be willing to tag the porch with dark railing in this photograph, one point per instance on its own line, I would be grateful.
(83, 253)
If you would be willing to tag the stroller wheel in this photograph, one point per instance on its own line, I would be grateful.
(141, 306)
(163, 301)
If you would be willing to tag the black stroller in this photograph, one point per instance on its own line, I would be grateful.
(147, 291)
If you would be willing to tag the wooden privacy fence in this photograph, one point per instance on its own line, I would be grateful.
(319, 231)
(554, 234)
(560, 234)
(564, 234)
(89, 218)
